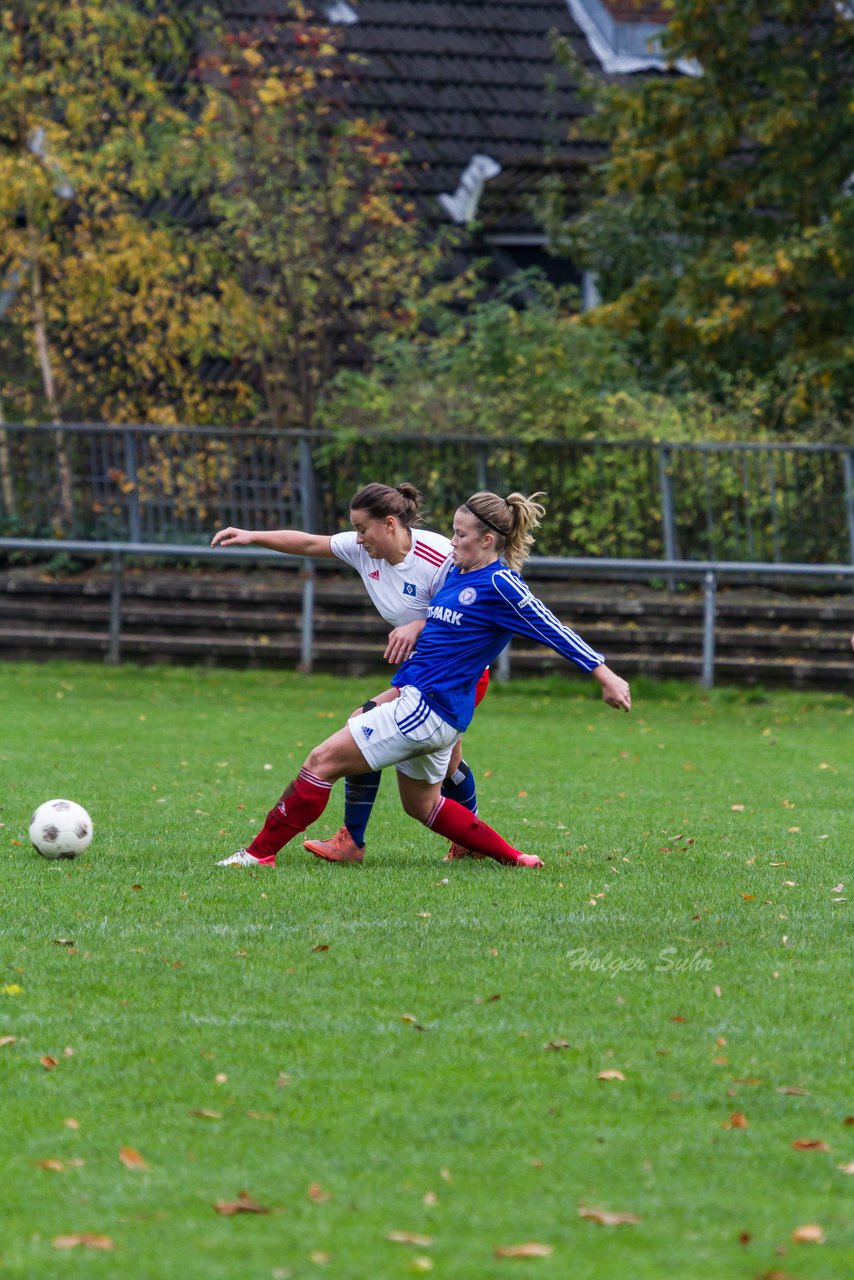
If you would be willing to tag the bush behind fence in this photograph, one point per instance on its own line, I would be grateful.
(745, 502)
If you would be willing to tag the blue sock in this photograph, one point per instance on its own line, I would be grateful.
(360, 792)
(460, 787)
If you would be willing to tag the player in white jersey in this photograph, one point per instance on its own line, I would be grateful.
(415, 724)
(402, 567)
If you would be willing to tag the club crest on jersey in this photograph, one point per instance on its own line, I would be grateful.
(468, 595)
(409, 588)
(375, 574)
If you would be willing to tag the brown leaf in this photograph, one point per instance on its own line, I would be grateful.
(793, 1089)
(88, 1242)
(4, 1040)
(317, 1194)
(71, 1123)
(846, 1168)
(136, 887)
(243, 1204)
(809, 1233)
(56, 1166)
(202, 1114)
(810, 1144)
(64, 942)
(605, 1217)
(48, 1063)
(323, 946)
(610, 1075)
(557, 1044)
(737, 1120)
(744, 1237)
(530, 1250)
(409, 1237)
(131, 1159)
(412, 1021)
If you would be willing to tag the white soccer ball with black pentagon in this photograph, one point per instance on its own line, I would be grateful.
(60, 829)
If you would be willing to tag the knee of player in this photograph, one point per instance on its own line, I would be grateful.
(318, 759)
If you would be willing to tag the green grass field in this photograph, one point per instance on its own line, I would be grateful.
(414, 1047)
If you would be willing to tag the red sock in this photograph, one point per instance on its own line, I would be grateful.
(456, 822)
(301, 804)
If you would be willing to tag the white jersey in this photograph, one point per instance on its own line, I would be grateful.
(400, 592)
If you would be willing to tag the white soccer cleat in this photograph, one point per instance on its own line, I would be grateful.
(243, 859)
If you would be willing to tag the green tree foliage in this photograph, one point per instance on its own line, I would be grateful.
(319, 250)
(721, 226)
(538, 371)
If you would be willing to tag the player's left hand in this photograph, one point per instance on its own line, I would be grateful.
(615, 690)
(403, 640)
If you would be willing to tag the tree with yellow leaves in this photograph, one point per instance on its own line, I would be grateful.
(319, 251)
(109, 306)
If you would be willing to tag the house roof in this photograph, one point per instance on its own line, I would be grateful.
(454, 79)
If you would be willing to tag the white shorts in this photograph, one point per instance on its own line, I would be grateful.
(405, 733)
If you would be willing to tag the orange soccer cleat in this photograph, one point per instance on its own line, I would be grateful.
(341, 848)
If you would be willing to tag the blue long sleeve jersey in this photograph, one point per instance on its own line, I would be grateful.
(471, 618)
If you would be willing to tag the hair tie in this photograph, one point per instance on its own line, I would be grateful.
(484, 520)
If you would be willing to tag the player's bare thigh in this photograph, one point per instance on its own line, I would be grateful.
(337, 757)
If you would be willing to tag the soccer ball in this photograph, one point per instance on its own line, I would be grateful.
(60, 829)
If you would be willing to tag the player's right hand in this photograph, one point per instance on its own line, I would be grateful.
(231, 537)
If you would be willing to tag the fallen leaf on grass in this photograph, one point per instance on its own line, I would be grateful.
(610, 1075)
(48, 1062)
(243, 1204)
(88, 1242)
(55, 1166)
(809, 1233)
(4, 1040)
(737, 1120)
(317, 1195)
(131, 1159)
(737, 808)
(794, 1089)
(71, 1123)
(530, 1250)
(846, 1168)
(322, 946)
(605, 1217)
(557, 1044)
(810, 1144)
(64, 942)
(201, 1114)
(409, 1237)
(412, 1021)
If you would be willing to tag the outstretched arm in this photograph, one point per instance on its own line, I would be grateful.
(291, 542)
(615, 690)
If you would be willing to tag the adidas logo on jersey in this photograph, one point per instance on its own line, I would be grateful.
(367, 731)
(375, 573)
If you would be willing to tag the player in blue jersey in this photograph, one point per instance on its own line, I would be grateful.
(401, 566)
(414, 724)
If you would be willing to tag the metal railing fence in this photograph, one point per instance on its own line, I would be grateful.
(708, 572)
(780, 503)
